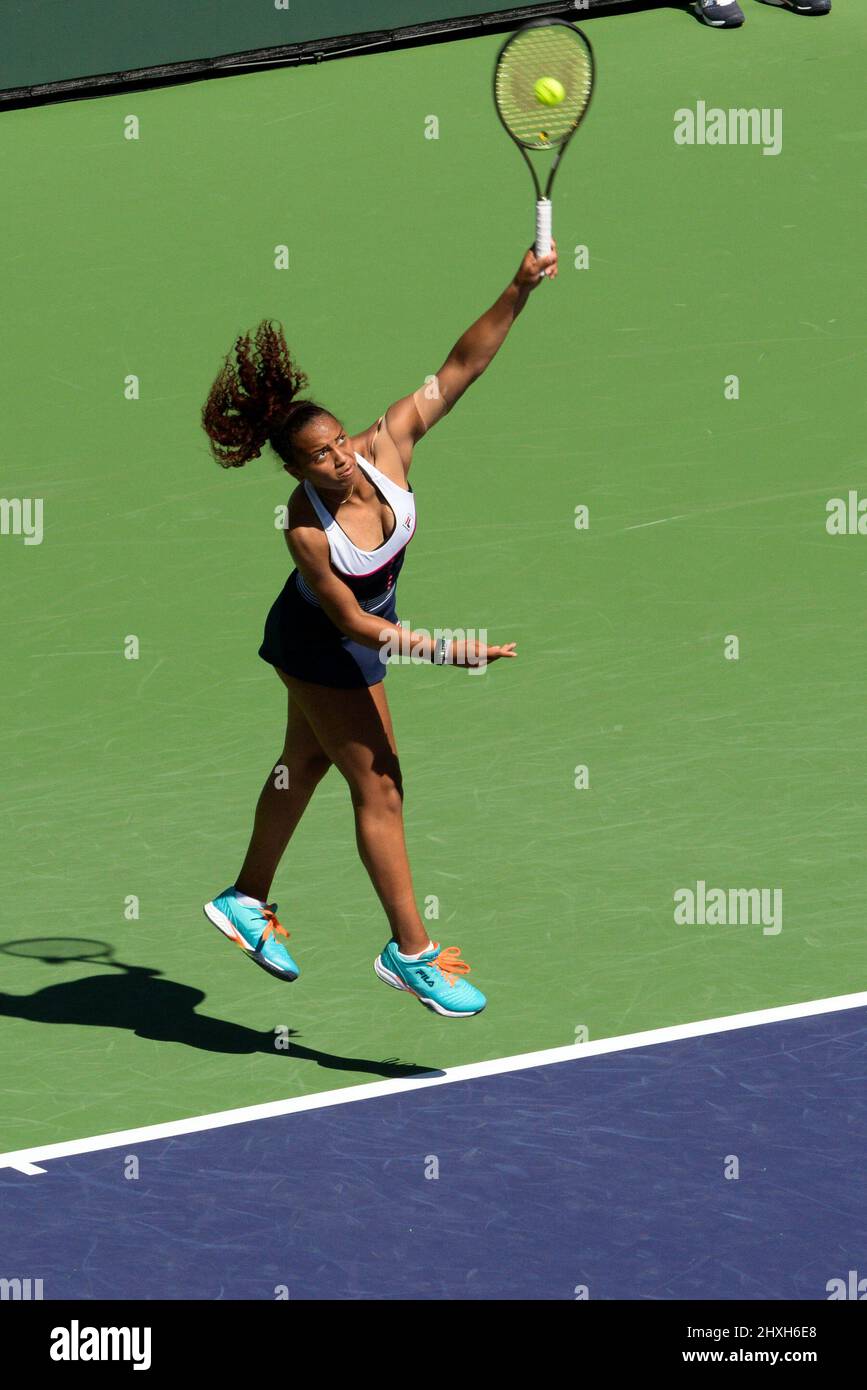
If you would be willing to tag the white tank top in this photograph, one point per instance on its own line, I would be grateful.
(346, 556)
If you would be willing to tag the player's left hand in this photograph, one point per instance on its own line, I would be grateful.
(534, 269)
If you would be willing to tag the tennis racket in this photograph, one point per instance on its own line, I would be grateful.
(552, 49)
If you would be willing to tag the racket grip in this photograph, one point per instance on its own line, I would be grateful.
(543, 226)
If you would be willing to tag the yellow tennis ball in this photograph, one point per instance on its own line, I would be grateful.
(549, 91)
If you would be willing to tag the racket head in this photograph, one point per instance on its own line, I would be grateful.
(543, 48)
(57, 950)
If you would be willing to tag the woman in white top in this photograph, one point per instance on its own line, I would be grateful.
(350, 519)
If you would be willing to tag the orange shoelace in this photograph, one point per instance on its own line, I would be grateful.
(273, 925)
(448, 962)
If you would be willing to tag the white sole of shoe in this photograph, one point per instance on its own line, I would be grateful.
(224, 925)
(388, 977)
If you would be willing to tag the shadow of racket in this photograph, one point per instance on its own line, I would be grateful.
(61, 950)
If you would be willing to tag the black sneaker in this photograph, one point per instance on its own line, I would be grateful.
(808, 6)
(721, 14)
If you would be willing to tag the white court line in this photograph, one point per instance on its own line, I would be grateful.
(27, 1160)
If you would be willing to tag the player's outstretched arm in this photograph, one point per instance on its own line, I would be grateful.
(409, 419)
(476, 348)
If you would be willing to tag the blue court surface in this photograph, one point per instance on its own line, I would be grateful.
(607, 1172)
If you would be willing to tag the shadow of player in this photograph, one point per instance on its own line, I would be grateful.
(139, 999)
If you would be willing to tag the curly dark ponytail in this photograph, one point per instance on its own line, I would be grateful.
(253, 400)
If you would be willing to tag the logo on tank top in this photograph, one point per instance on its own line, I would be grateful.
(407, 521)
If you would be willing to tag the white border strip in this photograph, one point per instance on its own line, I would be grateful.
(27, 1160)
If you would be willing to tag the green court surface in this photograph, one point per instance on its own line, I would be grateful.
(707, 519)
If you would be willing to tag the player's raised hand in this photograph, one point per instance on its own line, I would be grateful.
(534, 269)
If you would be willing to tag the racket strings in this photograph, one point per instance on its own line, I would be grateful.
(554, 51)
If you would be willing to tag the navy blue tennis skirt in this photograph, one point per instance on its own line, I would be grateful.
(302, 641)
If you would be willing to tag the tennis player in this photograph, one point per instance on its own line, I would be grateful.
(350, 520)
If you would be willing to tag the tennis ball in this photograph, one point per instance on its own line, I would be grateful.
(549, 91)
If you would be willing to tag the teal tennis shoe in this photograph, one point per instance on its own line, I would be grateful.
(436, 979)
(255, 930)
